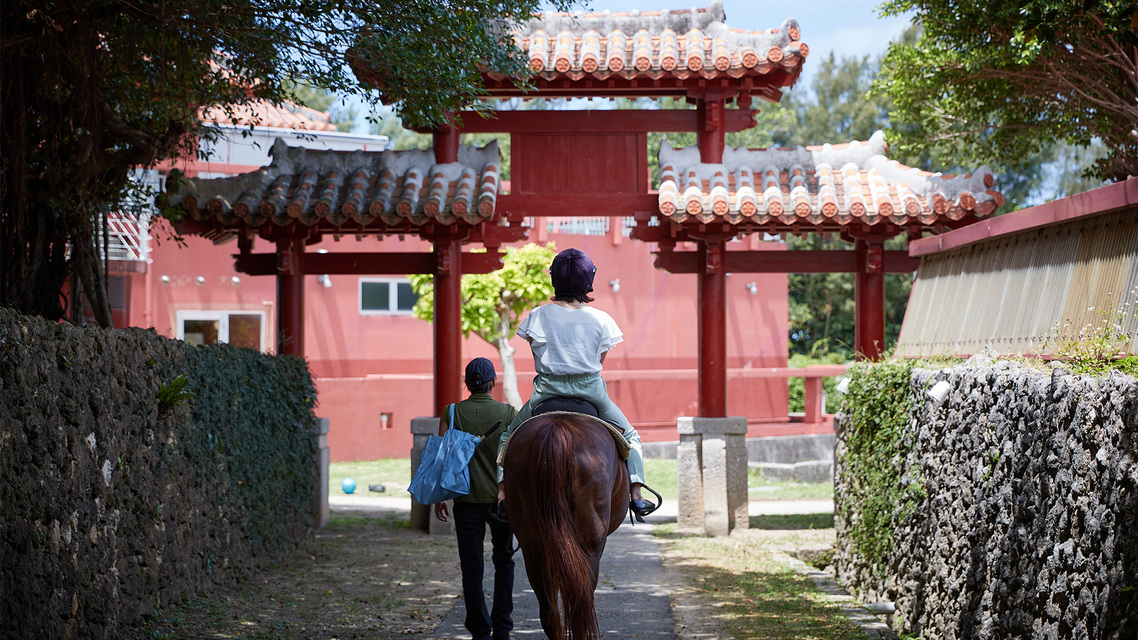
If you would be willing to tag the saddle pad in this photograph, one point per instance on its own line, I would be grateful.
(622, 446)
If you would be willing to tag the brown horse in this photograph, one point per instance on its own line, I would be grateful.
(566, 491)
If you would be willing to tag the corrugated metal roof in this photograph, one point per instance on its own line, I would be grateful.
(1028, 292)
(821, 186)
(359, 187)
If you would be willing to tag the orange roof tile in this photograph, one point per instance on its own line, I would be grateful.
(654, 44)
(361, 188)
(816, 185)
(287, 115)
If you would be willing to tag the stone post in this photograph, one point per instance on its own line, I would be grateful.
(689, 468)
(423, 516)
(712, 468)
(322, 513)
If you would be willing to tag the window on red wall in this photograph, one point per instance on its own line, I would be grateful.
(386, 296)
(238, 328)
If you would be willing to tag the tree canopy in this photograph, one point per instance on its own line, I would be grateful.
(493, 304)
(95, 88)
(996, 80)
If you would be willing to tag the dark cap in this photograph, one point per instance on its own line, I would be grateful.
(572, 273)
(479, 371)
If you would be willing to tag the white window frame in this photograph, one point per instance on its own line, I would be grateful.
(222, 318)
(392, 297)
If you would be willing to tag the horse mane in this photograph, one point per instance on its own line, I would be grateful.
(567, 565)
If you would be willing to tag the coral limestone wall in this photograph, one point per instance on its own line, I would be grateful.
(120, 493)
(1018, 516)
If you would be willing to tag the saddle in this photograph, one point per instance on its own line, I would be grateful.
(579, 407)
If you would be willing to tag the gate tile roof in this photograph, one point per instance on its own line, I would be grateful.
(824, 185)
(654, 44)
(356, 187)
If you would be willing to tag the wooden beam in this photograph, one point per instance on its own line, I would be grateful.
(388, 263)
(785, 262)
(599, 121)
(575, 203)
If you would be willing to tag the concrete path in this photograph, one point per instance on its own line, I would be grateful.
(631, 597)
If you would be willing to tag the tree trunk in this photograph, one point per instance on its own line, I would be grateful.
(506, 355)
(87, 264)
(509, 373)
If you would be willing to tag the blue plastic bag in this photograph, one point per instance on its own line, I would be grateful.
(444, 471)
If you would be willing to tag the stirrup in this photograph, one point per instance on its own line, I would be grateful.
(645, 507)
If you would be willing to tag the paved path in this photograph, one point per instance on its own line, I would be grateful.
(631, 597)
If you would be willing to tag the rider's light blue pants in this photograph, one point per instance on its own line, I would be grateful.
(591, 387)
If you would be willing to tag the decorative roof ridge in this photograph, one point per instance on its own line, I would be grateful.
(330, 165)
(679, 20)
(868, 155)
(290, 159)
(710, 21)
(850, 180)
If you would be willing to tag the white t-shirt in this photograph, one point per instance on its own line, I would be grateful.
(569, 341)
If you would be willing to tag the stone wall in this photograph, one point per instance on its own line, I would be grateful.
(114, 503)
(1028, 527)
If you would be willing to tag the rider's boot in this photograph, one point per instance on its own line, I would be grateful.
(640, 507)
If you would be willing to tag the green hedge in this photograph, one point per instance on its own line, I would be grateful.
(251, 422)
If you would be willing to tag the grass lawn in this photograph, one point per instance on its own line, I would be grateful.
(661, 476)
(743, 588)
(395, 475)
(760, 488)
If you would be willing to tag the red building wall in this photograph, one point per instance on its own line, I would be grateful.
(374, 372)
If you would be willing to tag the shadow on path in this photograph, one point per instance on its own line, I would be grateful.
(632, 598)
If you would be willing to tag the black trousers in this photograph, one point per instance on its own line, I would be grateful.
(470, 520)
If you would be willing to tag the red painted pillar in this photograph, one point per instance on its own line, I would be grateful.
(712, 328)
(814, 409)
(711, 137)
(290, 296)
(869, 299)
(445, 141)
(448, 322)
(712, 278)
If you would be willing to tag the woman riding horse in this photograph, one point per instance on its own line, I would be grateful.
(569, 341)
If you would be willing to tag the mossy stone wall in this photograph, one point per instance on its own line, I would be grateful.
(114, 503)
(1017, 513)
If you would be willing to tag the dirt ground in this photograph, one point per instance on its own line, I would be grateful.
(369, 576)
(364, 577)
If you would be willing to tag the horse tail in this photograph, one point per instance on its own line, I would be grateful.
(563, 546)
